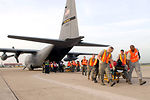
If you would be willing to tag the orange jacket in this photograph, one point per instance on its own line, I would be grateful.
(69, 64)
(74, 63)
(134, 56)
(105, 58)
(84, 62)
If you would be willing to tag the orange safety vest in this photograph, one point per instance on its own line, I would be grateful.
(51, 64)
(84, 62)
(74, 63)
(134, 56)
(123, 60)
(69, 64)
(91, 62)
(105, 58)
(95, 62)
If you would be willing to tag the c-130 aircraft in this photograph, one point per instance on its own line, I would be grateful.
(69, 37)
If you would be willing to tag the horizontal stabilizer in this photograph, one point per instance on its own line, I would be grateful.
(91, 44)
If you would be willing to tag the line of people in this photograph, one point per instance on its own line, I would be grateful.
(73, 66)
(48, 67)
(97, 67)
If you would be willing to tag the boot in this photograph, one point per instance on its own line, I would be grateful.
(102, 82)
(95, 81)
(142, 82)
(88, 78)
(111, 83)
(129, 82)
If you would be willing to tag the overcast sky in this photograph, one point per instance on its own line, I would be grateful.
(119, 23)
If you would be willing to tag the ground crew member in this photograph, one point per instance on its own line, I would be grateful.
(122, 58)
(51, 67)
(78, 66)
(133, 58)
(90, 67)
(47, 68)
(84, 66)
(55, 66)
(60, 64)
(96, 70)
(69, 64)
(73, 65)
(104, 57)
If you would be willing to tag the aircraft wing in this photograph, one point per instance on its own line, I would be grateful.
(91, 44)
(17, 50)
(74, 55)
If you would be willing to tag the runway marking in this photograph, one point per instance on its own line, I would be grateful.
(104, 94)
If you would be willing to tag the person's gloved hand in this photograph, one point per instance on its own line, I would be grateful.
(113, 68)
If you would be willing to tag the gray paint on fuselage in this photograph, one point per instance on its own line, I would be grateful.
(38, 59)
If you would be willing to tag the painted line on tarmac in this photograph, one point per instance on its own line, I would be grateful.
(104, 94)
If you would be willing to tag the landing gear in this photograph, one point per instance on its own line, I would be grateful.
(31, 68)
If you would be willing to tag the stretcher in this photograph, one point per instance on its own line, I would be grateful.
(67, 69)
(117, 73)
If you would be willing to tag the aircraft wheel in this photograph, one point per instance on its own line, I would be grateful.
(31, 68)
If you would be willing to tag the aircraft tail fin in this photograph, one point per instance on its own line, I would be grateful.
(69, 28)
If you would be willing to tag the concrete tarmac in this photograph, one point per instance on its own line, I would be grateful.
(18, 84)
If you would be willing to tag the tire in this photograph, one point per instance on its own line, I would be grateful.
(31, 68)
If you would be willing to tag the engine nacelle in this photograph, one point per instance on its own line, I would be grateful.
(4, 56)
(70, 58)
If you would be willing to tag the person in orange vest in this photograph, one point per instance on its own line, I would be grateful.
(133, 58)
(95, 70)
(122, 57)
(90, 67)
(69, 64)
(84, 66)
(55, 66)
(105, 57)
(121, 62)
(51, 66)
(73, 66)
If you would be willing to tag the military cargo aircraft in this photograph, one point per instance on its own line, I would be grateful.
(69, 37)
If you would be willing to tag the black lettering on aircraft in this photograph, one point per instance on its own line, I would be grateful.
(68, 20)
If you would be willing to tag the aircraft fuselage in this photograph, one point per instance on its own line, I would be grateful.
(51, 53)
